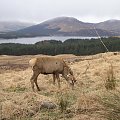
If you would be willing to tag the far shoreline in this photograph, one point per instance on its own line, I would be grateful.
(33, 40)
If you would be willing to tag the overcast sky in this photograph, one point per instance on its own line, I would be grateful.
(41, 10)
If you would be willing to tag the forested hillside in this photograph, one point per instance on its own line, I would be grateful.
(70, 46)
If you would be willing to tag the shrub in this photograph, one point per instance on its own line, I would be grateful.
(110, 82)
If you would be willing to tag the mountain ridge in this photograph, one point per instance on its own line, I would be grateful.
(7, 26)
(68, 26)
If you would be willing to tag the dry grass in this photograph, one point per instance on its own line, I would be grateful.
(18, 102)
(110, 83)
(111, 103)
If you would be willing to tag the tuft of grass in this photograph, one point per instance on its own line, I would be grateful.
(110, 83)
(15, 89)
(63, 104)
(47, 114)
(111, 104)
(46, 93)
(65, 101)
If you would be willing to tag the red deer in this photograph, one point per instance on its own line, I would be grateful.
(50, 65)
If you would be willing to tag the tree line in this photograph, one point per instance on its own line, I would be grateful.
(54, 47)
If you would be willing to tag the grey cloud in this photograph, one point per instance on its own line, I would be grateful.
(40, 10)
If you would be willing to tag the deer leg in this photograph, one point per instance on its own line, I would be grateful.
(32, 82)
(33, 79)
(58, 79)
(36, 83)
(54, 77)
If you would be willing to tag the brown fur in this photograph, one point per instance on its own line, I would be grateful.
(50, 65)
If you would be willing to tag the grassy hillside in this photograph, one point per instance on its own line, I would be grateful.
(90, 100)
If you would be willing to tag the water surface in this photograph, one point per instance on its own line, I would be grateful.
(37, 39)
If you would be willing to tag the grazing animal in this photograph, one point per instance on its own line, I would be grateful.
(50, 65)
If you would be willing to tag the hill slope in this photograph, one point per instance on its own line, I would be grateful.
(13, 26)
(110, 25)
(68, 26)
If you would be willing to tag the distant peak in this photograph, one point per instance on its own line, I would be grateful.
(112, 20)
(59, 19)
(62, 18)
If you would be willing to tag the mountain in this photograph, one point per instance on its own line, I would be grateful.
(67, 26)
(13, 26)
(110, 25)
